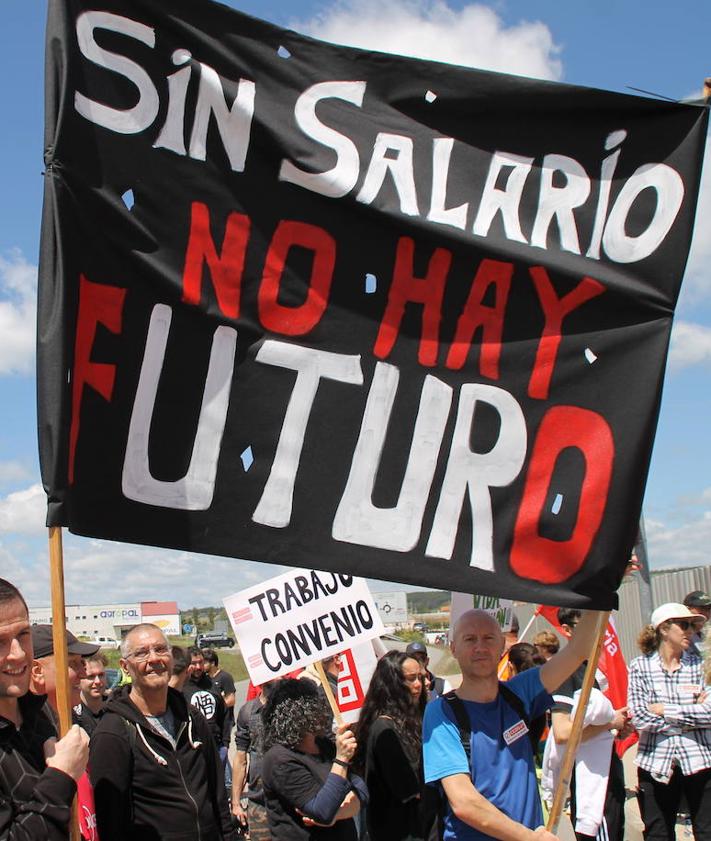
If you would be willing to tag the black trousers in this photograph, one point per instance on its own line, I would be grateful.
(659, 803)
(613, 818)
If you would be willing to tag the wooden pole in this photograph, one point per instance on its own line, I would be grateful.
(522, 635)
(59, 629)
(329, 693)
(566, 770)
(59, 641)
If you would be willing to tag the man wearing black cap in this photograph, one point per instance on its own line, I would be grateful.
(698, 602)
(435, 686)
(44, 671)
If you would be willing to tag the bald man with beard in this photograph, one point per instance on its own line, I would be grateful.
(496, 796)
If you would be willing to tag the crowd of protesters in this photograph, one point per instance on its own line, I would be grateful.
(422, 763)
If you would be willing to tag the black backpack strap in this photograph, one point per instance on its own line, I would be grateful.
(535, 727)
(514, 702)
(462, 720)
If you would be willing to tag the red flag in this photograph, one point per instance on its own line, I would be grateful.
(86, 809)
(551, 614)
(611, 664)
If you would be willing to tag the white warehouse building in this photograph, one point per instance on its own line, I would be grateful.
(112, 620)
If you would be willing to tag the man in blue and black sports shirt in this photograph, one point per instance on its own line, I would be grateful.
(496, 796)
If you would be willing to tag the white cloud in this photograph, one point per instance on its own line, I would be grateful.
(27, 569)
(24, 512)
(679, 546)
(690, 345)
(18, 309)
(12, 472)
(99, 571)
(473, 36)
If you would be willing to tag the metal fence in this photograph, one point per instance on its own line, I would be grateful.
(669, 585)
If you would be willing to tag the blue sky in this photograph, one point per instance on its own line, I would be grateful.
(599, 43)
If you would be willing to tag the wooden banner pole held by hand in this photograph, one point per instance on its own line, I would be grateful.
(59, 629)
(59, 643)
(571, 749)
(329, 693)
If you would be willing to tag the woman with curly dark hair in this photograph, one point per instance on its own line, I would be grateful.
(390, 751)
(309, 790)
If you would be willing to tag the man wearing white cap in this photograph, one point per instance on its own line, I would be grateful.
(672, 713)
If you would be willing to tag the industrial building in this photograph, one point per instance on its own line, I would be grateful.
(113, 620)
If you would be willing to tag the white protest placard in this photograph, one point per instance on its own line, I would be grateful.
(500, 609)
(299, 617)
(357, 667)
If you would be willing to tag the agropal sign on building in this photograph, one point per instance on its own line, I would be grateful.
(113, 620)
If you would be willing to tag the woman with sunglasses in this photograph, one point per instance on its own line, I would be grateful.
(389, 754)
(672, 713)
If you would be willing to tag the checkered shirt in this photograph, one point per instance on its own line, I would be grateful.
(682, 736)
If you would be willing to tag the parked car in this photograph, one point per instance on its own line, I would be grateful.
(214, 640)
(420, 626)
(106, 642)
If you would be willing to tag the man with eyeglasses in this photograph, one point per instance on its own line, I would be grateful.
(153, 762)
(90, 709)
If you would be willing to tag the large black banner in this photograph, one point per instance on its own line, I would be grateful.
(330, 308)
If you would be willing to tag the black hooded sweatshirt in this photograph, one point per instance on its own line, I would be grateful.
(145, 789)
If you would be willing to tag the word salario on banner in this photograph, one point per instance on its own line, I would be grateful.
(315, 306)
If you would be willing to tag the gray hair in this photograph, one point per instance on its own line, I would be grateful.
(144, 626)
